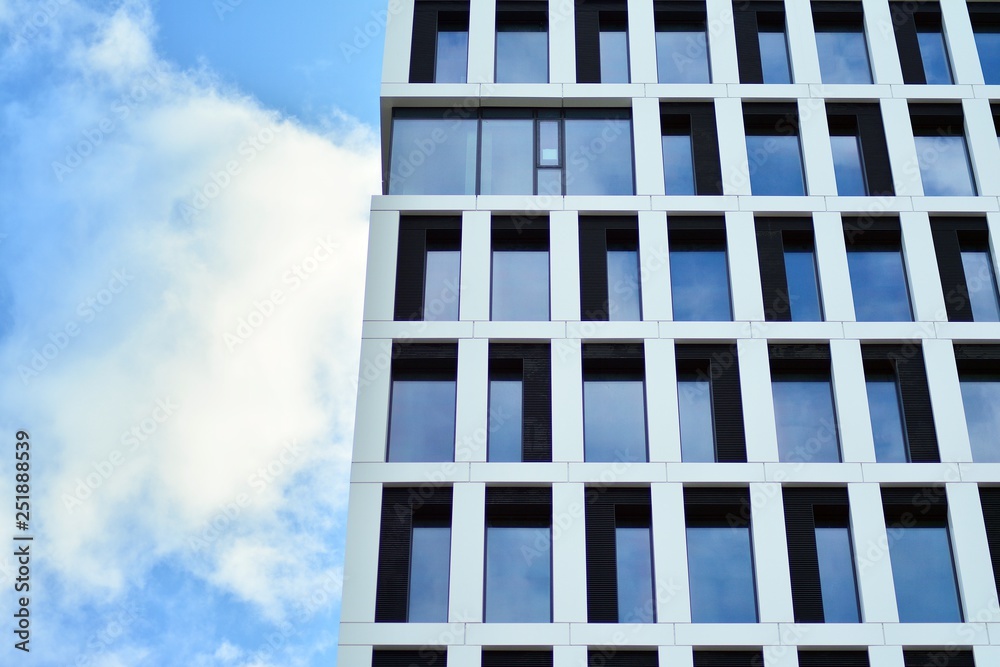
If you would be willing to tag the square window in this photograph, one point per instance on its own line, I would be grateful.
(599, 154)
(843, 49)
(681, 48)
(699, 276)
(522, 48)
(430, 154)
(422, 417)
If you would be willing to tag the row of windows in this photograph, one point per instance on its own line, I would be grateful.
(428, 274)
(589, 151)
(621, 657)
(621, 581)
(441, 41)
(709, 403)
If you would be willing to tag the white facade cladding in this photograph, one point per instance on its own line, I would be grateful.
(806, 381)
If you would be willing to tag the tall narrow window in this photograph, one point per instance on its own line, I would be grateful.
(803, 284)
(442, 278)
(614, 403)
(440, 49)
(422, 405)
(981, 398)
(899, 401)
(836, 570)
(429, 563)
(773, 41)
(452, 58)
(986, 28)
(520, 289)
(678, 156)
(614, 47)
(428, 269)
(860, 152)
(690, 145)
(681, 43)
(964, 260)
(942, 152)
(694, 398)
(601, 41)
(634, 553)
(506, 412)
(977, 264)
(878, 275)
(761, 43)
(989, 497)
(508, 148)
(848, 163)
(709, 402)
(804, 411)
(609, 269)
(885, 407)
(840, 40)
(720, 556)
(624, 302)
(522, 47)
(920, 40)
(774, 154)
(699, 270)
(789, 277)
(934, 53)
(518, 582)
(520, 402)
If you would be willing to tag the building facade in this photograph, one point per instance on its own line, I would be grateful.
(681, 338)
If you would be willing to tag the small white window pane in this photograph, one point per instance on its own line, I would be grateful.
(775, 165)
(923, 573)
(682, 55)
(634, 553)
(520, 285)
(944, 166)
(548, 143)
(508, 166)
(452, 61)
(430, 556)
(614, 420)
(441, 285)
(981, 398)
(624, 302)
(614, 56)
(506, 414)
(982, 284)
(518, 574)
(934, 55)
(848, 166)
(774, 57)
(720, 570)
(886, 412)
(878, 281)
(805, 420)
(838, 585)
(522, 54)
(694, 399)
(422, 421)
(843, 57)
(678, 164)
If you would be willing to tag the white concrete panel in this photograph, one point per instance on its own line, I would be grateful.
(832, 634)
(831, 263)
(780, 656)
(372, 417)
(744, 268)
(676, 656)
(850, 393)
(641, 41)
(474, 298)
(813, 473)
(567, 400)
(460, 656)
(625, 636)
(972, 554)
(468, 547)
(402, 635)
(961, 42)
(410, 473)
(648, 152)
(871, 554)
(569, 554)
(906, 473)
(706, 331)
(562, 41)
(654, 266)
(922, 268)
(707, 473)
(902, 150)
(732, 146)
(726, 634)
(722, 42)
(518, 634)
(380, 279)
(354, 655)
(935, 635)
(814, 133)
(984, 152)
(471, 408)
(620, 472)
(986, 655)
(770, 552)
(482, 40)
(506, 473)
(670, 570)
(360, 567)
(946, 401)
(662, 416)
(758, 402)
(418, 330)
(881, 42)
(569, 656)
(886, 656)
(527, 331)
(802, 43)
(398, 39)
(564, 265)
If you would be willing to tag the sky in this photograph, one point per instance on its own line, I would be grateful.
(184, 195)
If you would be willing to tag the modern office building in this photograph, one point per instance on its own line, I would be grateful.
(681, 338)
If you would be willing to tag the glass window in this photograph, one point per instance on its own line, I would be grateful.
(518, 573)
(836, 574)
(843, 55)
(805, 419)
(699, 280)
(441, 283)
(506, 418)
(775, 164)
(694, 398)
(422, 420)
(934, 55)
(614, 418)
(923, 573)
(888, 427)
(522, 50)
(520, 284)
(848, 165)
(624, 302)
(803, 284)
(508, 150)
(774, 64)
(878, 281)
(614, 50)
(451, 62)
(430, 556)
(599, 156)
(634, 553)
(682, 54)
(433, 156)
(720, 570)
(944, 165)
(981, 397)
(678, 156)
(982, 284)
(988, 45)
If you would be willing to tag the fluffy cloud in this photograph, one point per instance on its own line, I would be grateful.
(180, 294)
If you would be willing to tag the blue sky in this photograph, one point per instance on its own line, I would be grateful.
(184, 193)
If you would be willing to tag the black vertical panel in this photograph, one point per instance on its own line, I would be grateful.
(905, 28)
(705, 146)
(424, 45)
(424, 657)
(950, 657)
(833, 658)
(616, 657)
(594, 304)
(989, 496)
(517, 659)
(536, 377)
(874, 150)
(728, 659)
(907, 363)
(774, 281)
(800, 529)
(722, 365)
(399, 506)
(588, 42)
(602, 564)
(747, 43)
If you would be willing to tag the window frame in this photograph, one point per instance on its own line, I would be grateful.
(864, 120)
(773, 120)
(432, 361)
(522, 12)
(596, 235)
(720, 364)
(952, 236)
(534, 363)
(416, 235)
(513, 234)
(683, 13)
(698, 118)
(844, 17)
(590, 17)
(428, 18)
(696, 234)
(882, 234)
(748, 18)
(804, 362)
(610, 362)
(773, 233)
(942, 120)
(909, 19)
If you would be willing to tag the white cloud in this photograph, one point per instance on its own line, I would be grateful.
(201, 413)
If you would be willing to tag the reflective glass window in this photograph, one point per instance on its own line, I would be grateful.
(886, 409)
(843, 56)
(803, 283)
(775, 164)
(506, 419)
(430, 551)
(522, 51)
(805, 418)
(441, 284)
(923, 572)
(720, 570)
(982, 284)
(624, 299)
(944, 165)
(878, 281)
(774, 64)
(848, 165)
(694, 398)
(422, 420)
(634, 554)
(682, 54)
(699, 281)
(981, 397)
(838, 584)
(614, 418)
(433, 156)
(520, 284)
(518, 574)
(599, 156)
(934, 55)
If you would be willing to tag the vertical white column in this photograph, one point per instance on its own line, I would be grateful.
(802, 43)
(902, 150)
(654, 266)
(972, 554)
(758, 401)
(661, 401)
(458, 656)
(875, 583)
(364, 511)
(673, 593)
(562, 42)
(474, 300)
(569, 554)
(564, 265)
(471, 407)
(722, 42)
(886, 656)
(482, 40)
(854, 420)
(372, 415)
(468, 558)
(831, 261)
(676, 656)
(354, 655)
(770, 550)
(921, 267)
(744, 269)
(881, 42)
(648, 149)
(567, 400)
(732, 146)
(569, 656)
(961, 42)
(642, 41)
(398, 40)
(946, 401)
(814, 131)
(781, 656)
(380, 283)
(984, 152)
